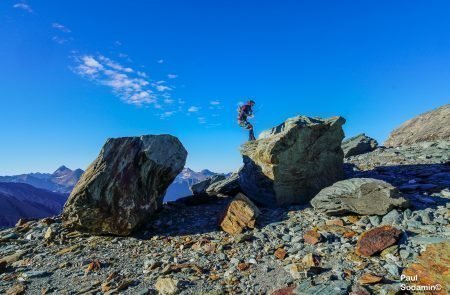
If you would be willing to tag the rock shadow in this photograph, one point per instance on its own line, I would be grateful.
(419, 183)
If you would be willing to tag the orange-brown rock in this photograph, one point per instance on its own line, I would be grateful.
(338, 222)
(376, 240)
(349, 234)
(280, 253)
(353, 218)
(240, 214)
(369, 278)
(312, 237)
(431, 269)
(285, 291)
(243, 266)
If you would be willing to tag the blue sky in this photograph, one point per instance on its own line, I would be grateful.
(73, 73)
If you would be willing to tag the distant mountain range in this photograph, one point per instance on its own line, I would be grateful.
(38, 195)
(21, 200)
(62, 180)
(180, 186)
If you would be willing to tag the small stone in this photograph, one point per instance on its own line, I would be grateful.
(34, 274)
(21, 222)
(393, 217)
(167, 286)
(312, 237)
(369, 278)
(353, 218)
(243, 266)
(425, 216)
(297, 271)
(392, 250)
(404, 254)
(280, 253)
(18, 289)
(374, 220)
(286, 238)
(392, 269)
(49, 234)
(338, 222)
(309, 260)
(285, 291)
(376, 240)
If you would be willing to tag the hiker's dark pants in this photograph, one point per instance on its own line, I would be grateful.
(246, 124)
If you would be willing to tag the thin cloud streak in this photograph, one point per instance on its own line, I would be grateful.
(61, 27)
(23, 6)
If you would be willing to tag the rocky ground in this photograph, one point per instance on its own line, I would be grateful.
(292, 250)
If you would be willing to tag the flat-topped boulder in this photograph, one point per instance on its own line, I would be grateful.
(366, 196)
(292, 162)
(125, 184)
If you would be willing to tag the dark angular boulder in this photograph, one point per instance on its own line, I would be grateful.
(125, 185)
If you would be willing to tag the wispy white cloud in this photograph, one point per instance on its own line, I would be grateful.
(201, 120)
(172, 76)
(160, 61)
(193, 109)
(23, 6)
(131, 87)
(162, 88)
(168, 101)
(167, 114)
(115, 65)
(61, 40)
(61, 27)
(141, 74)
(214, 102)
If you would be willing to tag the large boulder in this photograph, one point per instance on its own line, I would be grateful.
(358, 145)
(366, 196)
(430, 126)
(293, 161)
(125, 184)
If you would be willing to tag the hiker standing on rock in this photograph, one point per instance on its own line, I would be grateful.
(245, 111)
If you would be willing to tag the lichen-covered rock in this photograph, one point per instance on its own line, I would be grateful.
(431, 269)
(200, 187)
(240, 214)
(365, 196)
(125, 184)
(358, 145)
(376, 240)
(430, 126)
(291, 163)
